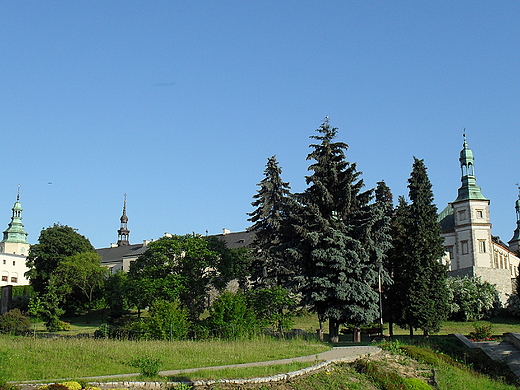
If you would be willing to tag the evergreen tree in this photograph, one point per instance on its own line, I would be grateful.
(392, 295)
(271, 224)
(426, 296)
(381, 239)
(335, 229)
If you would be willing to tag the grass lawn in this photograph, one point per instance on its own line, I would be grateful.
(26, 358)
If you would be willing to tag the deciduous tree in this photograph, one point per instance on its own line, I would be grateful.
(54, 245)
(176, 267)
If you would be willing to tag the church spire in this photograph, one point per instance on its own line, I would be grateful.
(514, 243)
(469, 189)
(123, 232)
(15, 232)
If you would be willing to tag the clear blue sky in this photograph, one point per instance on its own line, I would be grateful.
(180, 103)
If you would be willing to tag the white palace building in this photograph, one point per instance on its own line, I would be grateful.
(471, 249)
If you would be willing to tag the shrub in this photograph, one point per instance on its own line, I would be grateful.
(72, 385)
(513, 305)
(56, 386)
(231, 318)
(472, 299)
(167, 321)
(273, 307)
(149, 366)
(416, 384)
(483, 331)
(14, 322)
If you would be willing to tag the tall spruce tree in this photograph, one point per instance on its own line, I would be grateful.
(381, 239)
(271, 224)
(426, 295)
(393, 307)
(339, 275)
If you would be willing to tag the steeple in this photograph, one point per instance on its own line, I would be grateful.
(123, 232)
(514, 243)
(469, 189)
(15, 233)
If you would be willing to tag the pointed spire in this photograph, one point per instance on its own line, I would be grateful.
(15, 231)
(123, 232)
(515, 241)
(469, 189)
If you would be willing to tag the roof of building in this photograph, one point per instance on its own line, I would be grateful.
(237, 240)
(117, 253)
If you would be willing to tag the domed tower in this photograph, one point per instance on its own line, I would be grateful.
(15, 236)
(514, 243)
(123, 233)
(473, 244)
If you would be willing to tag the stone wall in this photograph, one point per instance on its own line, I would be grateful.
(501, 278)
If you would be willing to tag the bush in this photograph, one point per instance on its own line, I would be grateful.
(149, 366)
(167, 321)
(483, 332)
(472, 299)
(274, 307)
(416, 384)
(231, 318)
(14, 322)
(72, 385)
(513, 305)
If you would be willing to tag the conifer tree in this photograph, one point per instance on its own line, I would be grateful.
(381, 239)
(271, 224)
(339, 275)
(426, 296)
(392, 295)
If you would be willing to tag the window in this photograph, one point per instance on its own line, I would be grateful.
(4, 261)
(464, 247)
(462, 215)
(449, 249)
(4, 278)
(14, 262)
(482, 246)
(480, 214)
(14, 279)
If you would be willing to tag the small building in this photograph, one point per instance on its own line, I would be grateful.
(471, 249)
(13, 249)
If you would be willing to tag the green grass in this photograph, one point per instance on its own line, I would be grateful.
(240, 373)
(35, 358)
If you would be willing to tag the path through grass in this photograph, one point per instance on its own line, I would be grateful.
(37, 358)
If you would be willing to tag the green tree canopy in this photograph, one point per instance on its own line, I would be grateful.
(183, 267)
(83, 274)
(55, 244)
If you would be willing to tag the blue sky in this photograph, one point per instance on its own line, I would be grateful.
(180, 103)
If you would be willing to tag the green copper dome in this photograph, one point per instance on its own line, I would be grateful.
(469, 189)
(15, 231)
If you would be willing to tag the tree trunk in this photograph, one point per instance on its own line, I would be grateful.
(411, 332)
(333, 330)
(391, 329)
